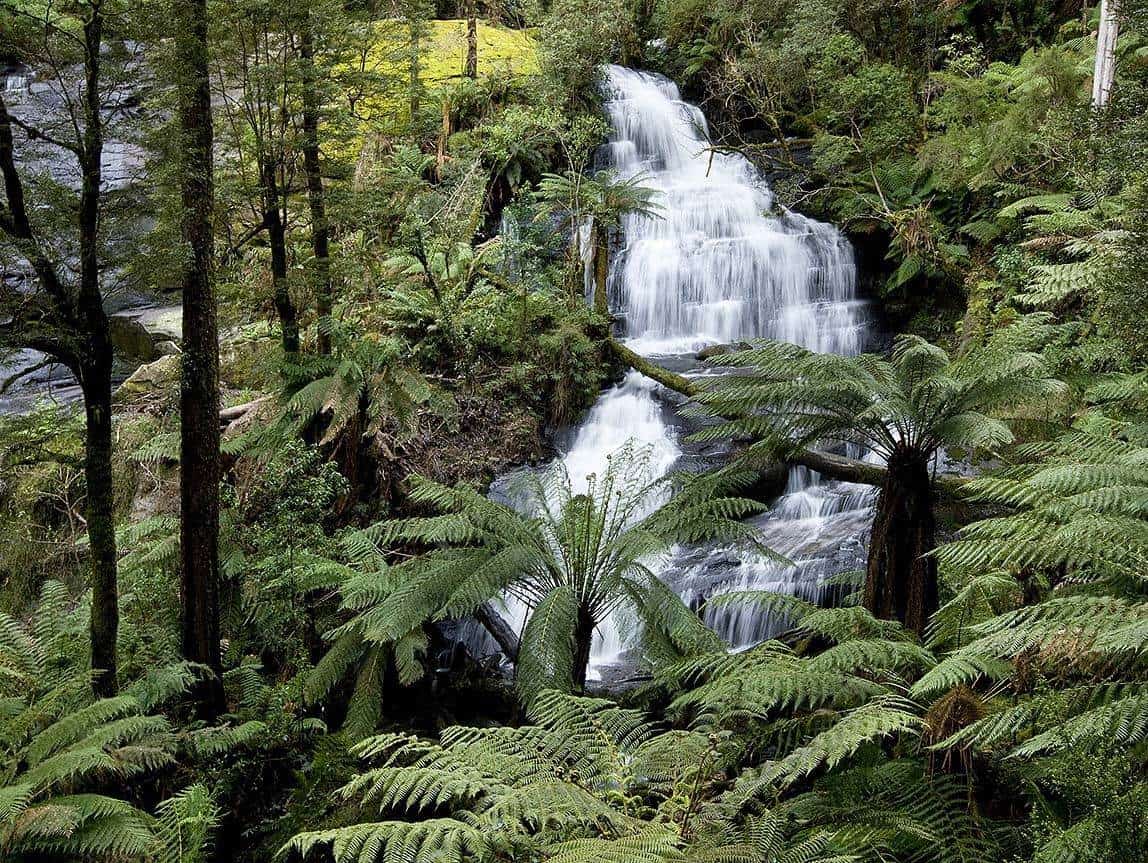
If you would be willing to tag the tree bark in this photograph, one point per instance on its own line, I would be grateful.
(601, 268)
(316, 198)
(96, 378)
(277, 240)
(100, 514)
(583, 643)
(1105, 68)
(901, 575)
(499, 630)
(414, 26)
(471, 39)
(199, 393)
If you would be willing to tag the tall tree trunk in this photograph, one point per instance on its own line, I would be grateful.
(277, 239)
(199, 393)
(901, 578)
(100, 514)
(471, 39)
(96, 377)
(583, 642)
(316, 199)
(601, 267)
(1105, 68)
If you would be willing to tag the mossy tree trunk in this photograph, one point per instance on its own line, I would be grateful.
(470, 8)
(901, 575)
(199, 392)
(96, 377)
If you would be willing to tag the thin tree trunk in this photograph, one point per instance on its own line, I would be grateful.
(277, 239)
(444, 137)
(1105, 68)
(601, 268)
(199, 393)
(471, 39)
(96, 378)
(414, 26)
(316, 198)
(901, 576)
(583, 642)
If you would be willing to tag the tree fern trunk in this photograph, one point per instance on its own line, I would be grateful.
(583, 641)
(900, 581)
(601, 268)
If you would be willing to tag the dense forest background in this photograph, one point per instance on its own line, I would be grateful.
(285, 286)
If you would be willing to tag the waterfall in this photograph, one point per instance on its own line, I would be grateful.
(720, 263)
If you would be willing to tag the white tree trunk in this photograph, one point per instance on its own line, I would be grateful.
(1105, 52)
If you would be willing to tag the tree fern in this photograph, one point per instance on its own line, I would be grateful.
(571, 558)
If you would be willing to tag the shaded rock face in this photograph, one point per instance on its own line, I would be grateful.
(147, 333)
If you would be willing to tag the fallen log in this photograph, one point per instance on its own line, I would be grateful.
(834, 466)
(499, 629)
(231, 414)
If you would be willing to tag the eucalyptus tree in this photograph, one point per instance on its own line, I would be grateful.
(904, 409)
(55, 220)
(604, 199)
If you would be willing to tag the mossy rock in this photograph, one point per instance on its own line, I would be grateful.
(155, 379)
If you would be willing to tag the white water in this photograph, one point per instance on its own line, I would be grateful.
(717, 265)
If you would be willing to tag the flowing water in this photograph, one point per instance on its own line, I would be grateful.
(716, 265)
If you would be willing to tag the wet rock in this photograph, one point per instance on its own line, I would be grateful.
(711, 351)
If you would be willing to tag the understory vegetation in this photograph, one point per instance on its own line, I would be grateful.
(373, 640)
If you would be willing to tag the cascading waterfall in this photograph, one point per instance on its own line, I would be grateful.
(717, 265)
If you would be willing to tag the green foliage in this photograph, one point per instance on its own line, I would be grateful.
(587, 780)
(919, 400)
(578, 36)
(60, 751)
(361, 390)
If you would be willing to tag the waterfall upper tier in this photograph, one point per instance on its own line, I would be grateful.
(716, 264)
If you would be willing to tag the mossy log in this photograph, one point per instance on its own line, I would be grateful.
(834, 466)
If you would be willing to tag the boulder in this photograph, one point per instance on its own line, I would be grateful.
(718, 350)
(130, 339)
(146, 333)
(158, 378)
